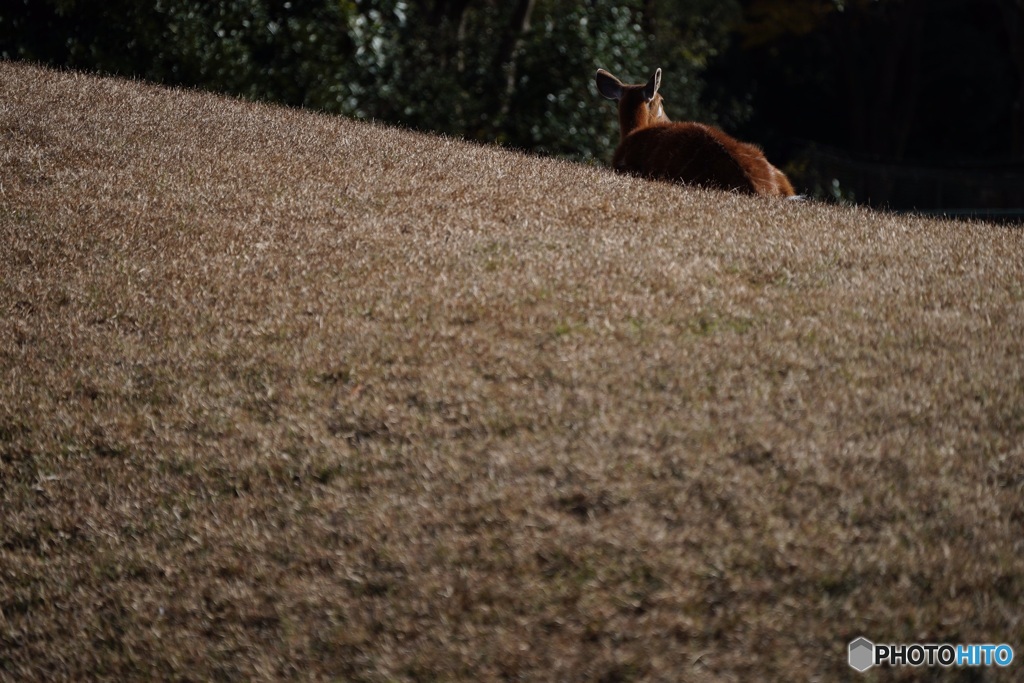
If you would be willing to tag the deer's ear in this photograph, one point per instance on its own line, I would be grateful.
(609, 85)
(651, 89)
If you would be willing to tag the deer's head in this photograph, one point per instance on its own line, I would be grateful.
(639, 105)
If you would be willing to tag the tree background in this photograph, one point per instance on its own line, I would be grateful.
(907, 104)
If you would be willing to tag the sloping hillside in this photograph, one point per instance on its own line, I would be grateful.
(289, 396)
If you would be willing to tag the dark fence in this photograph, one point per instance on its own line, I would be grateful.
(991, 191)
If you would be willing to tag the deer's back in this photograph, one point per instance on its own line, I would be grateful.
(697, 154)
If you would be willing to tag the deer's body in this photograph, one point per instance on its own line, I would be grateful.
(652, 146)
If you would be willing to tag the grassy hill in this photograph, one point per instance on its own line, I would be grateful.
(290, 396)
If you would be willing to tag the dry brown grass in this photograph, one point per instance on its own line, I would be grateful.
(288, 396)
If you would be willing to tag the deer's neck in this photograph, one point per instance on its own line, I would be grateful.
(633, 118)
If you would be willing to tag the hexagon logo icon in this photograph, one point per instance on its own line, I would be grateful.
(862, 654)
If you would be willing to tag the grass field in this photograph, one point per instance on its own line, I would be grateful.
(289, 396)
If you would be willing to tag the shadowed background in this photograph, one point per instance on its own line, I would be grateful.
(905, 104)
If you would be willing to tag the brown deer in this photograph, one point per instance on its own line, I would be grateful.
(652, 146)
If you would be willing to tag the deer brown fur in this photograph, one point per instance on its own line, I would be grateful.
(652, 146)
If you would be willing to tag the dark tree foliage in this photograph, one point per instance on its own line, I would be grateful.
(933, 82)
(516, 72)
(101, 35)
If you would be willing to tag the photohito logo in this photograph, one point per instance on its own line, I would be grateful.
(864, 654)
